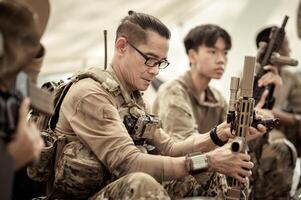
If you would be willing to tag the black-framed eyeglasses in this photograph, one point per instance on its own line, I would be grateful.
(151, 62)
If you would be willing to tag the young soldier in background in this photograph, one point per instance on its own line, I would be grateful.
(188, 106)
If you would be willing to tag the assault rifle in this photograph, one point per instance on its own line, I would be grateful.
(268, 54)
(241, 116)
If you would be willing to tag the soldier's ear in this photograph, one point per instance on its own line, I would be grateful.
(192, 56)
(1, 44)
(120, 45)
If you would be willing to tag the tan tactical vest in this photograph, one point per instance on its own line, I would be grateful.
(70, 166)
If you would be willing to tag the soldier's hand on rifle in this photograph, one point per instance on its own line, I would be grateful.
(254, 133)
(263, 97)
(27, 143)
(223, 132)
(236, 165)
(264, 114)
(261, 114)
(271, 77)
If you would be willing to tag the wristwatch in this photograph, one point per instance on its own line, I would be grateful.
(196, 163)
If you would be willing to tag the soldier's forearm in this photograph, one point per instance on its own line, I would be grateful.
(284, 117)
(203, 143)
(180, 168)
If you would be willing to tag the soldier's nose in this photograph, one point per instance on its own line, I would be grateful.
(154, 70)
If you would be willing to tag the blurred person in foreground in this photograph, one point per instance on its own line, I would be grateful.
(19, 45)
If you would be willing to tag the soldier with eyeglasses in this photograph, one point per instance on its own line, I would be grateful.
(104, 113)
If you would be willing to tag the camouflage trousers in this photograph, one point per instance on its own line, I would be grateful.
(203, 184)
(274, 173)
(143, 186)
(137, 185)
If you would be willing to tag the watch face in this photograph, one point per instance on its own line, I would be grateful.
(199, 163)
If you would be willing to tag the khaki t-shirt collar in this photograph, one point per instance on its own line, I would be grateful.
(210, 100)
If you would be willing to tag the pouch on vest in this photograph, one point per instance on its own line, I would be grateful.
(42, 169)
(140, 125)
(78, 173)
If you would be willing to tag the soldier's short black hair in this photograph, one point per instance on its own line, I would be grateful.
(134, 25)
(264, 35)
(206, 34)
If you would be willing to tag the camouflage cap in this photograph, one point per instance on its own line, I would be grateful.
(42, 9)
(20, 37)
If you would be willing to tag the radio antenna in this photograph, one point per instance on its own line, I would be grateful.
(105, 42)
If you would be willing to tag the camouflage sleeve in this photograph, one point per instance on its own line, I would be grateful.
(294, 97)
(96, 121)
(175, 112)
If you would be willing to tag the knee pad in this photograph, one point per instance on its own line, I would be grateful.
(285, 147)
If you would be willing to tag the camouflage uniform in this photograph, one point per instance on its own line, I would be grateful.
(183, 115)
(275, 171)
(133, 186)
(278, 159)
(91, 115)
(288, 98)
(201, 185)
